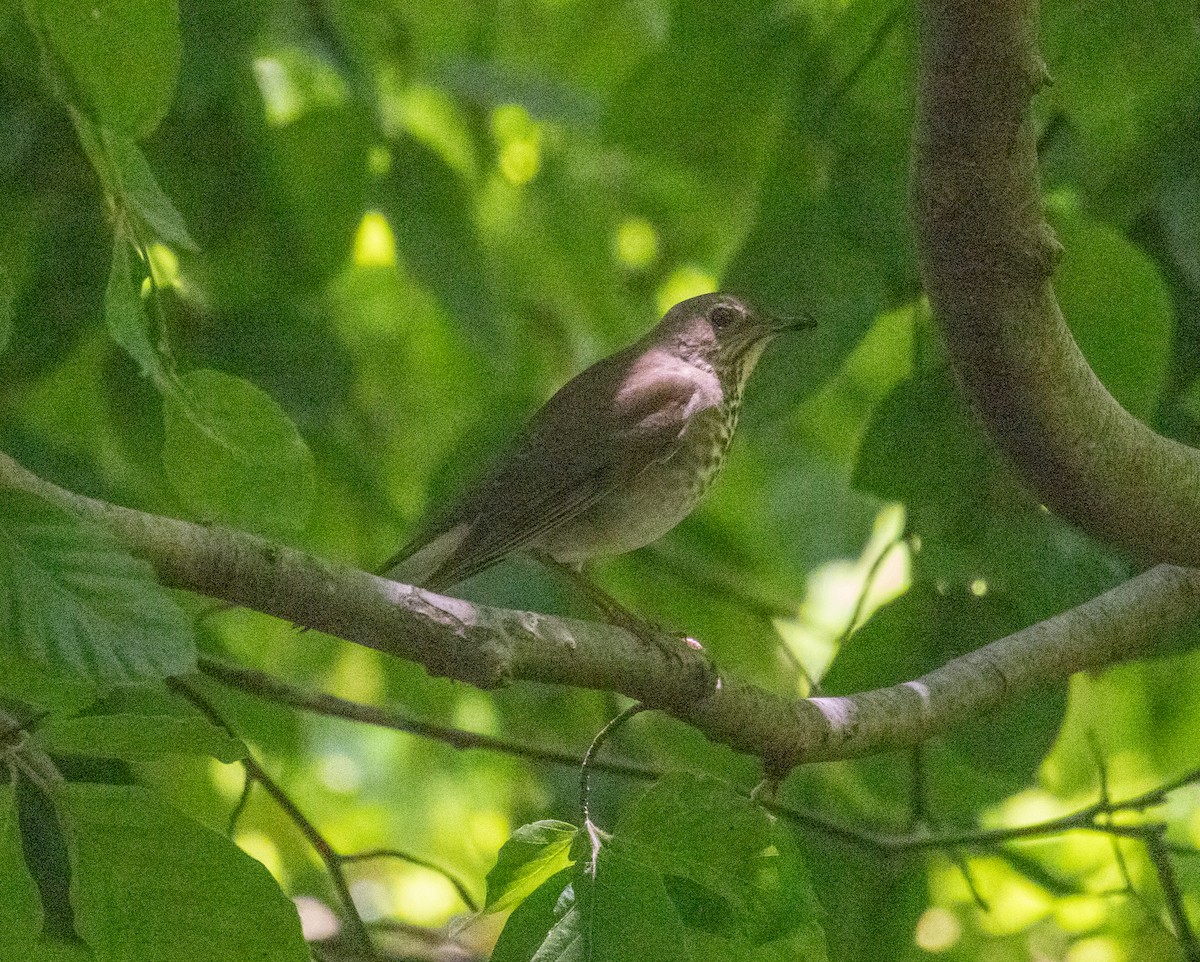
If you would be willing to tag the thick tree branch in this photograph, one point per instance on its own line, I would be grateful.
(487, 647)
(986, 258)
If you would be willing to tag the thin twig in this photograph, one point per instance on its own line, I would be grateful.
(263, 685)
(1106, 818)
(878, 39)
(868, 583)
(242, 802)
(266, 686)
(1161, 860)
(594, 748)
(325, 851)
(459, 886)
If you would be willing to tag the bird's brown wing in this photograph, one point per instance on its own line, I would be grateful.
(599, 432)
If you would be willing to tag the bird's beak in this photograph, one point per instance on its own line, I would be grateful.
(795, 322)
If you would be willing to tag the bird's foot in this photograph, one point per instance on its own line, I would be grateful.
(676, 646)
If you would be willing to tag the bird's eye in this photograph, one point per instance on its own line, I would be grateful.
(722, 315)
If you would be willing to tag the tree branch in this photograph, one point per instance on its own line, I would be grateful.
(487, 647)
(986, 259)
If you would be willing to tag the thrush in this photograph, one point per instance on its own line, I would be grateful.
(620, 455)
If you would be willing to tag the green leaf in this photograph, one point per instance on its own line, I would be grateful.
(143, 193)
(74, 604)
(533, 854)
(922, 447)
(1119, 309)
(626, 914)
(20, 905)
(233, 455)
(122, 57)
(151, 885)
(8, 295)
(693, 102)
(938, 619)
(319, 163)
(796, 257)
(693, 871)
(530, 927)
(31, 683)
(743, 882)
(432, 213)
(136, 724)
(128, 323)
(1120, 87)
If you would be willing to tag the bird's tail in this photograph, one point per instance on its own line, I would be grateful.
(419, 562)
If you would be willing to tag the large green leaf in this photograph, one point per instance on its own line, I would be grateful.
(122, 55)
(77, 606)
(151, 885)
(233, 454)
(692, 871)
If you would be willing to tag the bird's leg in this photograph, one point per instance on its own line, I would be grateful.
(668, 642)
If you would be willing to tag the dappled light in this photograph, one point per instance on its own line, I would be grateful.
(399, 562)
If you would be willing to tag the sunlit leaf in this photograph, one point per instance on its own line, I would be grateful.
(533, 854)
(125, 314)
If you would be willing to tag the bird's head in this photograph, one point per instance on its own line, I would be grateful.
(725, 332)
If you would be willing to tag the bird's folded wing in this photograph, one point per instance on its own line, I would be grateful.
(565, 462)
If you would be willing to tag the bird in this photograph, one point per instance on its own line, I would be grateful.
(620, 455)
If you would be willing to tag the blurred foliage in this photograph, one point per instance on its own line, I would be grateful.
(300, 267)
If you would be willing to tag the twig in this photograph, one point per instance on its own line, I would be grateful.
(242, 802)
(255, 773)
(459, 886)
(597, 743)
(1161, 860)
(321, 845)
(263, 685)
(260, 684)
(878, 39)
